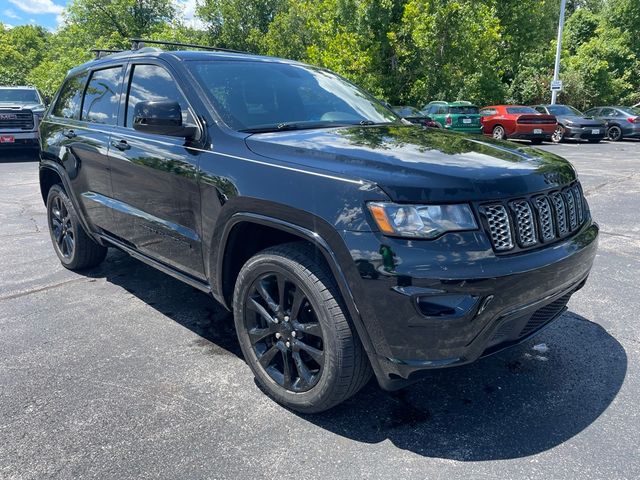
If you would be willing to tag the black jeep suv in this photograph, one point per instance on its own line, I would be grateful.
(344, 240)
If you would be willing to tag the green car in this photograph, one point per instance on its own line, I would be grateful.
(457, 116)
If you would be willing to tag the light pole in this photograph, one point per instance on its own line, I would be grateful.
(556, 70)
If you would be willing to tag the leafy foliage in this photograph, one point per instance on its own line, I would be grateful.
(403, 51)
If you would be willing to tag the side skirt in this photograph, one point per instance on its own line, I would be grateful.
(184, 277)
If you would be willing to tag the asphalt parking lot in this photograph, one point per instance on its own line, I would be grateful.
(124, 372)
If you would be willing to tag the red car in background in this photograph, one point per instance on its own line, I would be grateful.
(517, 121)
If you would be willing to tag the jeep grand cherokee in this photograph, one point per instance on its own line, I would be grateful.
(344, 241)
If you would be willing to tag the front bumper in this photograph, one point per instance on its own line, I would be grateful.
(447, 302)
(21, 139)
(585, 133)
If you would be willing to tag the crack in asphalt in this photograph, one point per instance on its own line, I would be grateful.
(625, 178)
(41, 289)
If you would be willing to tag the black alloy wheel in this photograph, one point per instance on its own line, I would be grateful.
(294, 331)
(284, 331)
(61, 227)
(74, 248)
(614, 133)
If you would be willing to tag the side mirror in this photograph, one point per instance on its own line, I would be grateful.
(161, 118)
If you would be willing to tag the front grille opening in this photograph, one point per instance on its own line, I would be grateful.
(525, 223)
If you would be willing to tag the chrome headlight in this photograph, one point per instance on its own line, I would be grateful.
(421, 221)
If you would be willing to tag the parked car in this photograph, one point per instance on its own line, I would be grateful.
(413, 115)
(457, 116)
(21, 109)
(344, 241)
(517, 122)
(572, 124)
(621, 122)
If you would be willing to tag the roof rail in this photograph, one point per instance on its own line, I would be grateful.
(103, 52)
(138, 43)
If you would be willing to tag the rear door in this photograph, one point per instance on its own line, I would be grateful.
(78, 131)
(155, 177)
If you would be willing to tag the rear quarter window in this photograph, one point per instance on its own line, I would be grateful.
(70, 97)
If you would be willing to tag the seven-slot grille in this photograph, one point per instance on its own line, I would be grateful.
(16, 120)
(524, 223)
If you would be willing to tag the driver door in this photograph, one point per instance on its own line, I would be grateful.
(155, 177)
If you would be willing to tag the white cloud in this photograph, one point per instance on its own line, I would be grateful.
(10, 14)
(38, 6)
(187, 10)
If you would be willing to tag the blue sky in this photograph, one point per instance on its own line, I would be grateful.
(48, 12)
(40, 12)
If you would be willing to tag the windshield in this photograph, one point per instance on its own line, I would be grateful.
(523, 110)
(407, 111)
(19, 95)
(563, 110)
(464, 110)
(270, 96)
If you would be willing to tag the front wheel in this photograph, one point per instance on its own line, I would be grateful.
(75, 249)
(558, 134)
(294, 332)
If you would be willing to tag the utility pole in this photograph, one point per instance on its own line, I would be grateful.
(554, 88)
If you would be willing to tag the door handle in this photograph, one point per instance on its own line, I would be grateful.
(121, 145)
(69, 133)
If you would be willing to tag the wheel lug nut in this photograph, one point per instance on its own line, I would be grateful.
(293, 334)
(286, 318)
(275, 320)
(288, 344)
(278, 335)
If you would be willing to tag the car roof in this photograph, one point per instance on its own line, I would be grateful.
(457, 103)
(177, 55)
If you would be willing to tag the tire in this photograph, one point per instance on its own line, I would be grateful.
(75, 249)
(326, 360)
(614, 133)
(558, 134)
(498, 133)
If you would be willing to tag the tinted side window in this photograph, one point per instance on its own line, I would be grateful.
(102, 96)
(541, 109)
(151, 83)
(70, 98)
(608, 112)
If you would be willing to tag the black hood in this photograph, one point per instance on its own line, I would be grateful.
(414, 164)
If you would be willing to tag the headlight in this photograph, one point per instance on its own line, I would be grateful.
(421, 221)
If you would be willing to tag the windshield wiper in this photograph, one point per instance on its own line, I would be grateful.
(287, 126)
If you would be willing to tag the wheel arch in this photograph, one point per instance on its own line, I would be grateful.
(52, 173)
(242, 223)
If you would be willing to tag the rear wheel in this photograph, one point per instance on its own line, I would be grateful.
(499, 133)
(558, 134)
(75, 249)
(294, 332)
(614, 133)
